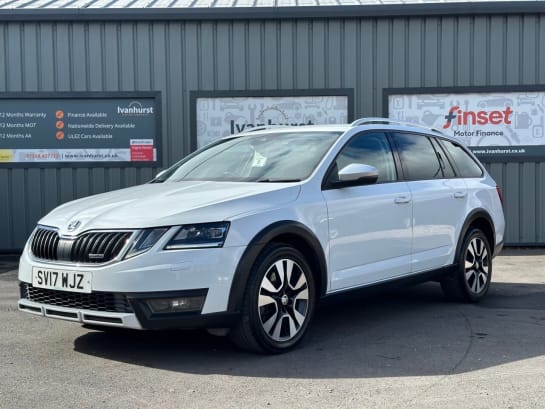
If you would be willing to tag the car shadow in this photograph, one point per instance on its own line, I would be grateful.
(409, 332)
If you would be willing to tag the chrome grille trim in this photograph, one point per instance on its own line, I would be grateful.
(96, 247)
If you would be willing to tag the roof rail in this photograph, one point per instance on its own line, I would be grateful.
(261, 128)
(388, 121)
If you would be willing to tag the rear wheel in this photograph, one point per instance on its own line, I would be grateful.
(471, 280)
(279, 301)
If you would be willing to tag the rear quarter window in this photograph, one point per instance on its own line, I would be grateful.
(465, 164)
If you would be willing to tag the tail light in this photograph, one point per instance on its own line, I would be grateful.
(500, 195)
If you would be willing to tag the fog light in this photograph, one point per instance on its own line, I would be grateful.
(179, 304)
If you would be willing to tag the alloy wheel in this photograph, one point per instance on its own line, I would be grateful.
(283, 301)
(477, 265)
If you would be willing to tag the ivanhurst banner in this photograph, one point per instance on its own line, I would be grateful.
(497, 126)
(84, 128)
(219, 114)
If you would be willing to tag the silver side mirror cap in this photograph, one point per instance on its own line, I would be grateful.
(358, 172)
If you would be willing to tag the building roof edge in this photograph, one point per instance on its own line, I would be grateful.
(274, 13)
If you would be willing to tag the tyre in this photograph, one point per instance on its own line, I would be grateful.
(471, 278)
(278, 303)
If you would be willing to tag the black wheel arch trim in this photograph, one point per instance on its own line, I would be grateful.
(258, 243)
(471, 217)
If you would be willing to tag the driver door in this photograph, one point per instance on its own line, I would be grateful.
(370, 227)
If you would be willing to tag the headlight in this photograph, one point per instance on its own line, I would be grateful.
(199, 235)
(145, 241)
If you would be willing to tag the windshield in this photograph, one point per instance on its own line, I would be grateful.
(273, 157)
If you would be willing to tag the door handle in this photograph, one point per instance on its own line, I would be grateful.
(402, 199)
(459, 195)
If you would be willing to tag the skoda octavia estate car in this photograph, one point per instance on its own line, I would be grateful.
(247, 234)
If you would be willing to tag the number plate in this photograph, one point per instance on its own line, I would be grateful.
(53, 279)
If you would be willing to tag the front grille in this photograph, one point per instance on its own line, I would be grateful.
(96, 301)
(92, 247)
(98, 247)
(45, 244)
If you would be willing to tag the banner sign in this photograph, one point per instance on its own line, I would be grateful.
(219, 114)
(113, 129)
(499, 124)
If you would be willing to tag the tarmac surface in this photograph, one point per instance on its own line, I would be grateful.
(406, 348)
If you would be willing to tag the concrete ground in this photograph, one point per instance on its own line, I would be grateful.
(397, 349)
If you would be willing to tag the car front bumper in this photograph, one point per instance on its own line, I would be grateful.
(141, 317)
(121, 291)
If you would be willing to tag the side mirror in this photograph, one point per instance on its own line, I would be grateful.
(356, 174)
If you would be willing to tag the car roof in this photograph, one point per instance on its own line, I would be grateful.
(295, 129)
(374, 124)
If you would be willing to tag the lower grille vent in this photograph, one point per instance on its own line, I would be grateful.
(96, 301)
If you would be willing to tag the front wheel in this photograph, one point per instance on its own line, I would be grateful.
(471, 280)
(279, 301)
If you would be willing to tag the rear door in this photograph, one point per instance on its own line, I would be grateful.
(439, 200)
(369, 226)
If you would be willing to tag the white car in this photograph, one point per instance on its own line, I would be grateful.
(246, 235)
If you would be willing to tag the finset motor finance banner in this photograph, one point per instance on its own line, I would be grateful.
(497, 126)
(67, 130)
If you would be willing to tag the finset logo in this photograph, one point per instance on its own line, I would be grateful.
(462, 117)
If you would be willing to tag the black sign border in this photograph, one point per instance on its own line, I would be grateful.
(313, 92)
(156, 95)
(386, 92)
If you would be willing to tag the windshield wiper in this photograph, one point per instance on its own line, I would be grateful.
(268, 180)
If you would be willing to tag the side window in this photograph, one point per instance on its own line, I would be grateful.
(466, 165)
(418, 157)
(448, 170)
(371, 149)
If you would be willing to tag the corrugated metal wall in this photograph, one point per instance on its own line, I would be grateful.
(365, 54)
